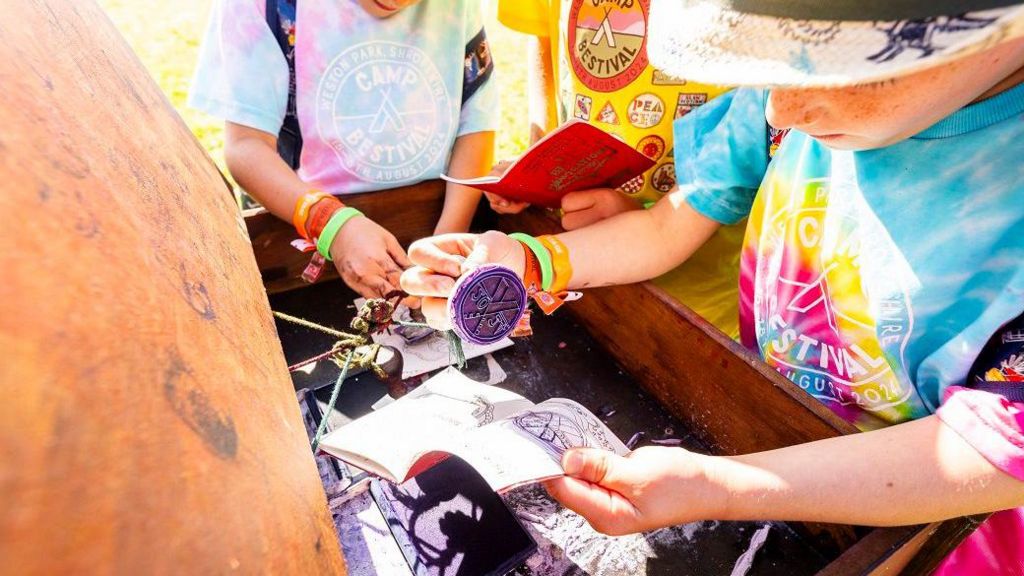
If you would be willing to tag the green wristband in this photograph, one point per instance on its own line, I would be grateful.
(547, 270)
(323, 243)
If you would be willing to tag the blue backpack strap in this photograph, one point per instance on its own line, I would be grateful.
(479, 65)
(281, 18)
(999, 368)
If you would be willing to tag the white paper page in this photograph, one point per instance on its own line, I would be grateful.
(444, 408)
(527, 446)
(431, 352)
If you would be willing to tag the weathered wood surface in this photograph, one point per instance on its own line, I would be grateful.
(147, 421)
(410, 213)
(730, 399)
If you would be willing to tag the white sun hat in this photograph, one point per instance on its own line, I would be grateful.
(821, 43)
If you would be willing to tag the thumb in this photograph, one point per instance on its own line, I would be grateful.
(590, 465)
(490, 247)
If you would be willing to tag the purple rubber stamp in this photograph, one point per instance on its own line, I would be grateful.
(486, 304)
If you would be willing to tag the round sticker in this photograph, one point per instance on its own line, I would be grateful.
(633, 186)
(646, 110)
(664, 178)
(608, 42)
(486, 304)
(651, 146)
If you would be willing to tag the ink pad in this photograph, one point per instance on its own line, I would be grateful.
(486, 304)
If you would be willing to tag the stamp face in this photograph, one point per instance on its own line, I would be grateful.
(486, 304)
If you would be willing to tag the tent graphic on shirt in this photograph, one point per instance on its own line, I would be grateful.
(386, 114)
(604, 31)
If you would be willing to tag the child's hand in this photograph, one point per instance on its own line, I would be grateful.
(368, 258)
(499, 204)
(441, 259)
(588, 206)
(650, 488)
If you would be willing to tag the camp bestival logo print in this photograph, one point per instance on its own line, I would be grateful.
(385, 110)
(607, 42)
(830, 311)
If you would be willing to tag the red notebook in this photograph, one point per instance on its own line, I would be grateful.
(575, 157)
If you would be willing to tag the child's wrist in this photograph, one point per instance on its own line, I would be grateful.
(541, 255)
(331, 229)
(303, 207)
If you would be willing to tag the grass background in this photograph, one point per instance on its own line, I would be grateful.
(166, 36)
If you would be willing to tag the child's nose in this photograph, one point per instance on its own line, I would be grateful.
(792, 109)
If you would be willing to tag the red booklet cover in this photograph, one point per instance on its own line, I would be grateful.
(577, 156)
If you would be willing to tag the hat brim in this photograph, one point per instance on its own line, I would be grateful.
(704, 42)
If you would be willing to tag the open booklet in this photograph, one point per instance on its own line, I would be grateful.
(576, 156)
(509, 440)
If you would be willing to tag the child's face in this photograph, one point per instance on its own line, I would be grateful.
(385, 8)
(876, 115)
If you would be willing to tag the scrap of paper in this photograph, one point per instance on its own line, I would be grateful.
(430, 353)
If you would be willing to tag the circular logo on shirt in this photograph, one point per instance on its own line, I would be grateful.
(384, 108)
(664, 178)
(646, 110)
(652, 146)
(608, 42)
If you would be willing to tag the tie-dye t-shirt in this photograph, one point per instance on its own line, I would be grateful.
(871, 279)
(379, 100)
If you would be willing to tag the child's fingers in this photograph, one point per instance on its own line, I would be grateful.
(397, 252)
(435, 310)
(607, 511)
(443, 254)
(419, 281)
(580, 219)
(574, 201)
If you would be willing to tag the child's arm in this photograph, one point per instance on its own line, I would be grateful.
(368, 257)
(614, 251)
(472, 156)
(912, 473)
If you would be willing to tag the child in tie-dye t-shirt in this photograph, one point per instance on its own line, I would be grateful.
(386, 93)
(883, 260)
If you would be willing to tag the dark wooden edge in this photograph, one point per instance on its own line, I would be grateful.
(907, 550)
(409, 213)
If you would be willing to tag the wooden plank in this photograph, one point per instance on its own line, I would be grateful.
(410, 213)
(147, 420)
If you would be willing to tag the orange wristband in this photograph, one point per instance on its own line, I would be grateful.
(320, 215)
(559, 261)
(531, 271)
(301, 212)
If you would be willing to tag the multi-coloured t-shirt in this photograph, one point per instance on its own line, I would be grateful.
(602, 76)
(883, 281)
(379, 101)
(871, 279)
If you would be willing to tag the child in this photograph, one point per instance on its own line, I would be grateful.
(591, 64)
(383, 93)
(883, 254)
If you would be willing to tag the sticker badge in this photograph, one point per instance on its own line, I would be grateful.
(633, 186)
(664, 177)
(688, 102)
(651, 146)
(608, 114)
(583, 105)
(775, 137)
(659, 78)
(607, 42)
(646, 110)
(384, 108)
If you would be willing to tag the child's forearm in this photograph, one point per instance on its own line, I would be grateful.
(472, 156)
(917, 472)
(637, 245)
(540, 89)
(251, 156)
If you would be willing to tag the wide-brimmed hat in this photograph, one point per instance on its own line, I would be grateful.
(824, 43)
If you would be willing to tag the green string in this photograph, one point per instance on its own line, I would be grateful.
(334, 400)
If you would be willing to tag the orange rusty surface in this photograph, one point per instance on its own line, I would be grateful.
(147, 420)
